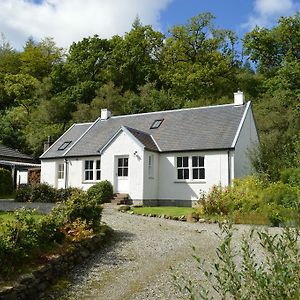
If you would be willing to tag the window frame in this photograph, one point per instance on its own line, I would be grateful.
(181, 167)
(61, 172)
(190, 168)
(93, 169)
(151, 166)
(123, 167)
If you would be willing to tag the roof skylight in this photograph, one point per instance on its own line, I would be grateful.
(156, 124)
(64, 145)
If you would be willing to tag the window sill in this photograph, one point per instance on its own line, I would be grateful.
(190, 181)
(91, 181)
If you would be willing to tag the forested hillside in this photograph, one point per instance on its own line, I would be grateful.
(44, 89)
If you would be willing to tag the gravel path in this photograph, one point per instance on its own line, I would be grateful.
(137, 264)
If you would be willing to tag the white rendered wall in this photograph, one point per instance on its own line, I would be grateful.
(151, 183)
(247, 139)
(124, 145)
(216, 172)
(49, 172)
(22, 177)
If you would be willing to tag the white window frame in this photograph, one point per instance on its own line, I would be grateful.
(61, 171)
(151, 166)
(199, 167)
(182, 167)
(190, 168)
(93, 170)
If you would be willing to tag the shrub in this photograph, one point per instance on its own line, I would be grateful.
(101, 191)
(6, 184)
(63, 194)
(81, 206)
(266, 266)
(23, 193)
(43, 192)
(291, 176)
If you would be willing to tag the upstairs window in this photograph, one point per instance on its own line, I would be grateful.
(64, 145)
(156, 124)
(61, 171)
(182, 167)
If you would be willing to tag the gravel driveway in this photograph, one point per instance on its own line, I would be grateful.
(137, 264)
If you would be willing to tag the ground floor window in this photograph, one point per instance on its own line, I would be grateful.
(190, 167)
(61, 171)
(92, 170)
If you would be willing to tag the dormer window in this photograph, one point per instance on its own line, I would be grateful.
(156, 124)
(64, 145)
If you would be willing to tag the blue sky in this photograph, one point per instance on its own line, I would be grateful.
(71, 20)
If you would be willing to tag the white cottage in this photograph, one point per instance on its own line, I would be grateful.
(157, 158)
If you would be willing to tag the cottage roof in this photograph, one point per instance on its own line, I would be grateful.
(202, 128)
(10, 154)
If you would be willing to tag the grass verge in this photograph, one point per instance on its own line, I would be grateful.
(171, 211)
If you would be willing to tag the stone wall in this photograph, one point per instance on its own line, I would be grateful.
(31, 285)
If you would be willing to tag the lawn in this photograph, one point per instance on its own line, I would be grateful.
(6, 216)
(8, 196)
(171, 211)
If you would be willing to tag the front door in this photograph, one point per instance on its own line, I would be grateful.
(122, 182)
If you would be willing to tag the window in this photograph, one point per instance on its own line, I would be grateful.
(61, 171)
(92, 170)
(64, 145)
(151, 166)
(190, 167)
(198, 167)
(156, 124)
(123, 167)
(183, 167)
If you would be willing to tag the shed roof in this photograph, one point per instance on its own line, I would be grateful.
(10, 154)
(202, 128)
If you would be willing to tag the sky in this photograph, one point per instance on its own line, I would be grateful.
(69, 21)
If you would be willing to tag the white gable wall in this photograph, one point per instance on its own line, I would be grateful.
(124, 145)
(247, 139)
(216, 172)
(49, 172)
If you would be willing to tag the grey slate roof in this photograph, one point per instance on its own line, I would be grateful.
(10, 154)
(144, 137)
(203, 128)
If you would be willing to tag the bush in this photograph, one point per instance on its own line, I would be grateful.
(23, 193)
(266, 266)
(291, 176)
(253, 196)
(63, 194)
(43, 192)
(102, 191)
(6, 184)
(80, 206)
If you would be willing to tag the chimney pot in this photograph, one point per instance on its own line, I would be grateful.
(105, 114)
(239, 98)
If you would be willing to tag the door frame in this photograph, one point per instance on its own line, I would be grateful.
(116, 177)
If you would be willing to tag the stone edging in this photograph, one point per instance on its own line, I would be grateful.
(31, 285)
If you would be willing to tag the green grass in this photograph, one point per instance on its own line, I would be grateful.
(171, 211)
(6, 216)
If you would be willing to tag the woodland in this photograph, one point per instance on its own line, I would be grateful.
(44, 89)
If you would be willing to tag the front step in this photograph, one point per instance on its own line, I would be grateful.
(119, 198)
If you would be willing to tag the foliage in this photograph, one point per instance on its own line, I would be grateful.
(291, 176)
(23, 237)
(264, 267)
(81, 206)
(6, 184)
(278, 202)
(101, 191)
(43, 192)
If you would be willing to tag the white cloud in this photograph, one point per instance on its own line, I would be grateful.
(266, 12)
(71, 20)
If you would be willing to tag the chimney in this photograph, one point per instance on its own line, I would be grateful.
(239, 98)
(105, 114)
(48, 143)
